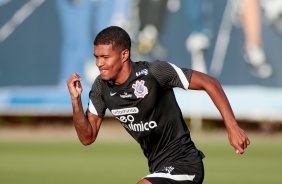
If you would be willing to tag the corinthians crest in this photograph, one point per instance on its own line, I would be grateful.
(140, 90)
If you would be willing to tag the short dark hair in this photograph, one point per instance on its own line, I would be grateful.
(113, 35)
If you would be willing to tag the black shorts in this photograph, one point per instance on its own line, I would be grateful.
(178, 174)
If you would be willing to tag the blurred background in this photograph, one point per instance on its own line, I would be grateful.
(43, 42)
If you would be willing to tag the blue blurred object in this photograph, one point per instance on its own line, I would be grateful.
(56, 39)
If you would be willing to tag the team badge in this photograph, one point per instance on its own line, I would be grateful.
(140, 90)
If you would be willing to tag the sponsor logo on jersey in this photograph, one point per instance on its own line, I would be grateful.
(142, 72)
(141, 127)
(125, 95)
(140, 89)
(119, 112)
(128, 123)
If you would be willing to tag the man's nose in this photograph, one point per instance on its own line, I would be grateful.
(99, 62)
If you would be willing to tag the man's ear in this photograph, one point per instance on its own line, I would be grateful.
(125, 55)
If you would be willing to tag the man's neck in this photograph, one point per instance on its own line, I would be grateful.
(125, 72)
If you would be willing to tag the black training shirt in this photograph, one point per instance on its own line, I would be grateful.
(146, 107)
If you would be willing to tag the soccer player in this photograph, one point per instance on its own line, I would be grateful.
(140, 95)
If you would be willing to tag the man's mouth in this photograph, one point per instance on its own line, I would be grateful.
(103, 71)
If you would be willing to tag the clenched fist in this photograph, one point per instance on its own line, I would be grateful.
(74, 85)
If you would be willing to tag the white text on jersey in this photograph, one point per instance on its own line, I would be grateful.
(119, 112)
(142, 72)
(127, 122)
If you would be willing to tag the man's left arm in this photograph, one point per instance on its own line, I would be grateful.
(237, 137)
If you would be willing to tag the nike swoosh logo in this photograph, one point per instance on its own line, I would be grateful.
(113, 93)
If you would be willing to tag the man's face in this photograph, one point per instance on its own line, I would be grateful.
(109, 61)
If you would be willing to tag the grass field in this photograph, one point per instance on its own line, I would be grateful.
(117, 161)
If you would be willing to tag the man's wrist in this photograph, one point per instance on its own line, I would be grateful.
(76, 99)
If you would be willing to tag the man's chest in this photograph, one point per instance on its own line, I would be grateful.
(140, 92)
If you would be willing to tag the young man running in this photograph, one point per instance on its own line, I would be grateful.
(140, 95)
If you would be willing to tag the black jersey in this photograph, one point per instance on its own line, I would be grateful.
(146, 107)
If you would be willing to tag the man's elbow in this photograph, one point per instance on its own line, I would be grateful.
(88, 141)
(85, 143)
(214, 83)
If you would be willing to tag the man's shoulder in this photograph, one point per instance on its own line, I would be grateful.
(151, 64)
(99, 82)
(141, 63)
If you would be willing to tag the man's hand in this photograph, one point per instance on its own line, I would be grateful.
(238, 139)
(74, 85)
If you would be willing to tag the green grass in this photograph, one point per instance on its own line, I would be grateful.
(108, 162)
(261, 163)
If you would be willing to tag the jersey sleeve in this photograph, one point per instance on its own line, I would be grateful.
(96, 104)
(169, 75)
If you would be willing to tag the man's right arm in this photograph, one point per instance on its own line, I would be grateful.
(87, 127)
